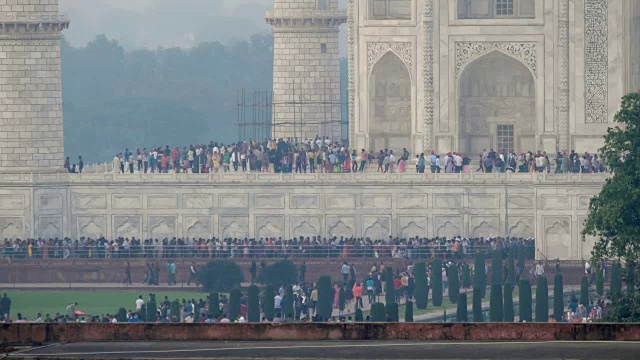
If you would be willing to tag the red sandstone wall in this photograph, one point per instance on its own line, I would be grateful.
(25, 334)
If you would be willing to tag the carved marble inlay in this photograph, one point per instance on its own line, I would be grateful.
(427, 74)
(469, 51)
(375, 50)
(351, 60)
(596, 61)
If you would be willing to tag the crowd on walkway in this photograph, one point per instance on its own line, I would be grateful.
(328, 156)
(309, 247)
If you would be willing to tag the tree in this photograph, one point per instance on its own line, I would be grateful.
(466, 276)
(281, 272)
(142, 315)
(599, 283)
(511, 269)
(378, 312)
(525, 300)
(268, 302)
(631, 279)
(390, 291)
(408, 311)
(508, 303)
(461, 313)
(214, 304)
(522, 258)
(496, 313)
(616, 280)
(325, 298)
(175, 311)
(542, 300)
(496, 268)
(558, 297)
(479, 274)
(235, 305)
(614, 213)
(477, 305)
(152, 309)
(359, 317)
(421, 285)
(253, 304)
(342, 300)
(220, 276)
(454, 284)
(122, 315)
(436, 281)
(392, 312)
(254, 271)
(584, 291)
(288, 303)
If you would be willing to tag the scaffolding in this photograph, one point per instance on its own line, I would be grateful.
(256, 110)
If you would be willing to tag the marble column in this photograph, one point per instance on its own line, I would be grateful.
(563, 72)
(427, 23)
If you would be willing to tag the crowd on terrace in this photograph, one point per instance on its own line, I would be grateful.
(328, 156)
(309, 247)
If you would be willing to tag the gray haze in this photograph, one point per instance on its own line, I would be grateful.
(165, 23)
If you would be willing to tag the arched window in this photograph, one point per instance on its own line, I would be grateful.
(496, 9)
(390, 9)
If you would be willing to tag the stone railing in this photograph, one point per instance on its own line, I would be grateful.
(305, 14)
(366, 177)
(38, 18)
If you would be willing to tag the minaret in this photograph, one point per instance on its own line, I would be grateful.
(306, 68)
(30, 86)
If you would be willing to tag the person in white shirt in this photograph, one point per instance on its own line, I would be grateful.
(139, 303)
(392, 161)
(539, 269)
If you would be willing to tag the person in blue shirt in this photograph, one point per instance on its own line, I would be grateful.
(133, 318)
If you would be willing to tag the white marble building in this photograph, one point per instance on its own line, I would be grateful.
(464, 75)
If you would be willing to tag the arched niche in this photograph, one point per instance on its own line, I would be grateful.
(496, 105)
(390, 104)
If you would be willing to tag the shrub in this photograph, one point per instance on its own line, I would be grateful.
(542, 300)
(421, 285)
(477, 305)
(268, 302)
(390, 291)
(558, 297)
(599, 282)
(525, 300)
(408, 312)
(392, 312)
(461, 314)
(220, 276)
(584, 291)
(359, 317)
(616, 280)
(214, 304)
(253, 304)
(122, 315)
(235, 298)
(325, 298)
(288, 303)
(342, 299)
(466, 276)
(511, 269)
(508, 303)
(281, 272)
(378, 312)
(479, 274)
(436, 282)
(454, 284)
(496, 313)
(631, 279)
(496, 268)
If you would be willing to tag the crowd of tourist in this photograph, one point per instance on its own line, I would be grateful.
(328, 156)
(310, 247)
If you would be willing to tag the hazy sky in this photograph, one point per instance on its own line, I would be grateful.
(154, 23)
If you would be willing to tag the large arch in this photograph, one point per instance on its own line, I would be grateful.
(390, 104)
(496, 105)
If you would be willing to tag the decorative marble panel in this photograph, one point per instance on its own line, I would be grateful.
(557, 230)
(305, 226)
(376, 227)
(234, 227)
(447, 201)
(596, 60)
(550, 202)
(11, 228)
(477, 201)
(50, 202)
(413, 201)
(90, 201)
(12, 202)
(269, 226)
(234, 201)
(92, 227)
(338, 226)
(520, 201)
(197, 201)
(127, 226)
(412, 227)
(50, 227)
(304, 201)
(469, 51)
(583, 202)
(126, 201)
(198, 227)
(588, 242)
(165, 201)
(521, 227)
(161, 227)
(375, 51)
(269, 201)
(376, 201)
(448, 226)
(342, 201)
(486, 227)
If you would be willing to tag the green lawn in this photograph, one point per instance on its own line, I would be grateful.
(30, 303)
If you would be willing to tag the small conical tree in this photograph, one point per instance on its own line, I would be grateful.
(175, 310)
(558, 297)
(496, 313)
(461, 314)
(143, 313)
(408, 312)
(152, 309)
(359, 317)
(477, 305)
(288, 303)
(342, 300)
(325, 298)
(436, 281)
(121, 316)
(584, 291)
(508, 303)
(631, 279)
(253, 304)
(511, 269)
(392, 311)
(390, 291)
(454, 284)
(214, 304)
(479, 274)
(254, 271)
(421, 291)
(522, 258)
(525, 300)
(496, 268)
(616, 280)
(268, 302)
(378, 313)
(466, 276)
(542, 300)
(235, 298)
(599, 283)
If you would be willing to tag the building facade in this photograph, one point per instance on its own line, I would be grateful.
(30, 86)
(468, 75)
(306, 69)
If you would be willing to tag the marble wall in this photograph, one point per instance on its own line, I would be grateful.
(377, 206)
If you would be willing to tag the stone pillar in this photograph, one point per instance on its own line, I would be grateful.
(427, 20)
(306, 68)
(352, 29)
(563, 72)
(31, 128)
